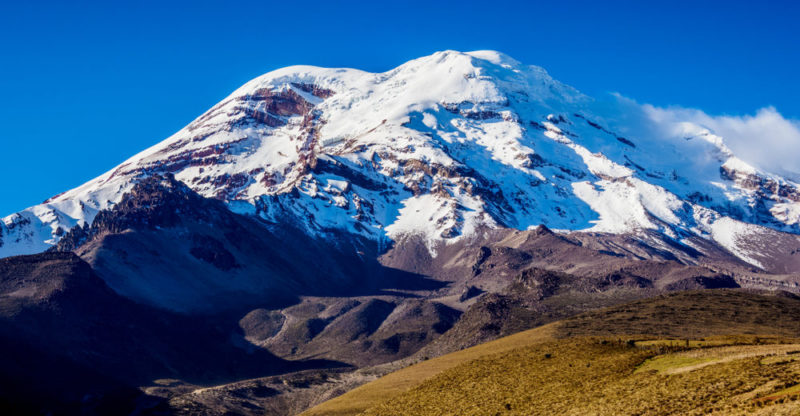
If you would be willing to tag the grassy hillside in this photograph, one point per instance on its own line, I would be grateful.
(393, 384)
(585, 376)
(588, 364)
(693, 314)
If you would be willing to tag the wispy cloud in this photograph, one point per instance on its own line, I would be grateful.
(766, 140)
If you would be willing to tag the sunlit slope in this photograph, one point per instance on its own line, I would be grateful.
(590, 376)
(391, 385)
(485, 378)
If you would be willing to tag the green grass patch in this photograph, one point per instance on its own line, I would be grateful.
(781, 359)
(685, 343)
(694, 358)
(789, 391)
(666, 363)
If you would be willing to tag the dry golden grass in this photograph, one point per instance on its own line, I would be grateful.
(681, 362)
(394, 384)
(590, 376)
(780, 359)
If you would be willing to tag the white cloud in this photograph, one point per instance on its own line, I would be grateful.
(767, 140)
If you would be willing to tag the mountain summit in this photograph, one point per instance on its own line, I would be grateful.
(441, 148)
(320, 227)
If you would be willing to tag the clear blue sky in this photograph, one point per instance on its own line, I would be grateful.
(84, 85)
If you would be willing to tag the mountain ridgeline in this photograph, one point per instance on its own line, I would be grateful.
(474, 140)
(321, 227)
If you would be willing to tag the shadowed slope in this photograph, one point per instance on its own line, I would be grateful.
(70, 342)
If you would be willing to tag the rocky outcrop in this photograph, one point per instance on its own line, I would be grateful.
(155, 202)
(765, 187)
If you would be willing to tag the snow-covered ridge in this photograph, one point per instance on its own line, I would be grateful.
(441, 146)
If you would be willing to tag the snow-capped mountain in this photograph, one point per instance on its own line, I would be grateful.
(443, 147)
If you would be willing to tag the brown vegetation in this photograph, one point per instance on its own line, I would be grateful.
(583, 376)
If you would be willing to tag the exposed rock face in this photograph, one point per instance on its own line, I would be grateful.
(362, 218)
(766, 187)
(237, 285)
(154, 202)
(473, 140)
(167, 246)
(213, 252)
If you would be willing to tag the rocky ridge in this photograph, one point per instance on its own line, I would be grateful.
(472, 140)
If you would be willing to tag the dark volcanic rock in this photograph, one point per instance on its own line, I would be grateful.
(704, 282)
(167, 246)
(158, 201)
(213, 251)
(469, 293)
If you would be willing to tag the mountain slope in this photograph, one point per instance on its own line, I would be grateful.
(165, 245)
(263, 290)
(443, 147)
(731, 316)
(71, 345)
(359, 219)
(610, 376)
